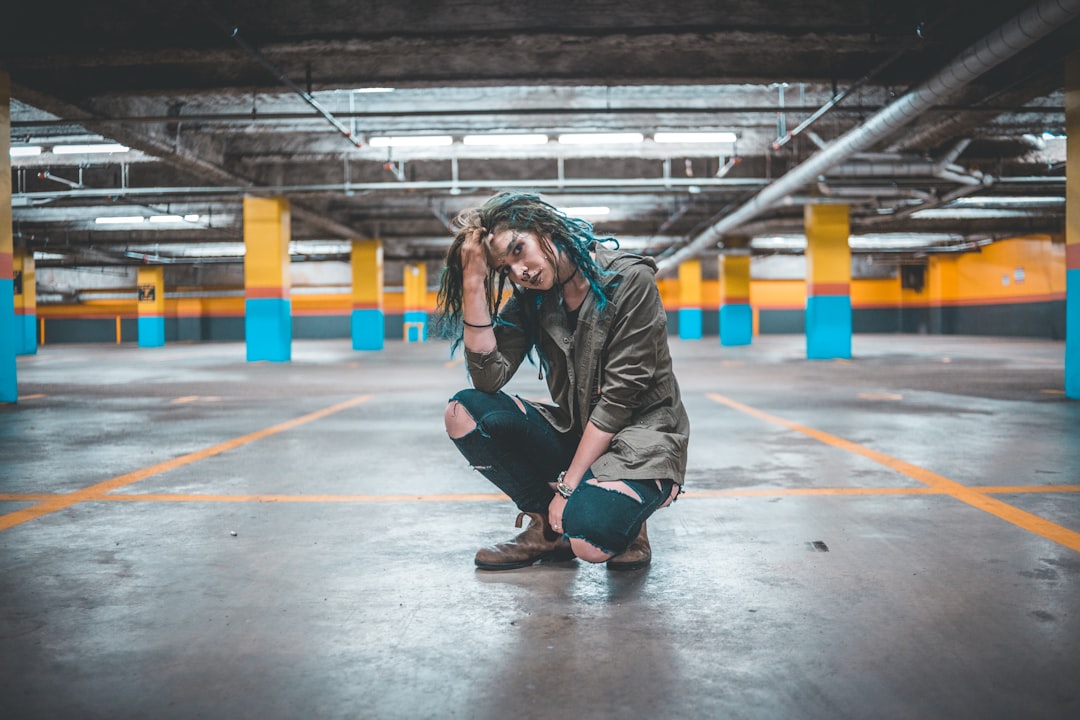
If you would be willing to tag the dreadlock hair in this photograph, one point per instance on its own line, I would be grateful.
(573, 237)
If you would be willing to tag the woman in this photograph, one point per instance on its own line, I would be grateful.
(591, 468)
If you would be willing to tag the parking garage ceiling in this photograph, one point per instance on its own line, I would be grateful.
(384, 119)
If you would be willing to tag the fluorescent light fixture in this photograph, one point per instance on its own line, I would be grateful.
(191, 218)
(411, 141)
(600, 138)
(504, 140)
(25, 150)
(120, 220)
(999, 200)
(695, 137)
(166, 219)
(1052, 136)
(370, 90)
(586, 210)
(88, 149)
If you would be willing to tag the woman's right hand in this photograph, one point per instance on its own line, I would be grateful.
(473, 255)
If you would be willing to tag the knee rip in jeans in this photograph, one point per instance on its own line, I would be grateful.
(460, 422)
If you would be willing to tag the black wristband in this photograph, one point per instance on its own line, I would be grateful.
(479, 327)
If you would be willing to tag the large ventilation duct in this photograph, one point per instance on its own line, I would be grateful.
(1017, 34)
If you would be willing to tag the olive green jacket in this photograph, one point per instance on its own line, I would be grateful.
(614, 370)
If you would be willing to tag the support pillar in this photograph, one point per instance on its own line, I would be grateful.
(267, 301)
(736, 315)
(151, 306)
(1072, 227)
(367, 295)
(690, 300)
(415, 329)
(25, 302)
(10, 331)
(828, 282)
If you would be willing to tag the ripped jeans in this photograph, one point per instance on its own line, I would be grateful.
(521, 453)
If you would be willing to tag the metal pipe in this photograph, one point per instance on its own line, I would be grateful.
(306, 96)
(464, 186)
(1017, 34)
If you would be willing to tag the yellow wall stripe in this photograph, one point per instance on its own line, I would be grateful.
(970, 496)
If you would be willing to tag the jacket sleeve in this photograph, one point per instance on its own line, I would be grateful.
(636, 333)
(490, 371)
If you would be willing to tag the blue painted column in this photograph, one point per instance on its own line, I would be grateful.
(1072, 227)
(25, 301)
(10, 329)
(828, 282)
(736, 314)
(368, 323)
(415, 325)
(267, 286)
(690, 300)
(151, 306)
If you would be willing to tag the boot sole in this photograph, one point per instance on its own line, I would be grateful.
(553, 556)
(623, 567)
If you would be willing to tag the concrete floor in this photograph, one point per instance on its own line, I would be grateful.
(184, 534)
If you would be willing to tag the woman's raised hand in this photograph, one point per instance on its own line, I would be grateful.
(473, 255)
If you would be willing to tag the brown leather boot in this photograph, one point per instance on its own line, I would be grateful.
(538, 542)
(635, 557)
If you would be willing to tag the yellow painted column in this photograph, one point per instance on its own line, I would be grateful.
(267, 286)
(415, 320)
(25, 301)
(151, 306)
(1072, 227)
(736, 315)
(690, 300)
(367, 295)
(9, 328)
(828, 282)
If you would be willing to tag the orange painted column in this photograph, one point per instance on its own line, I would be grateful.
(1072, 227)
(10, 330)
(690, 300)
(267, 285)
(828, 282)
(736, 314)
(367, 295)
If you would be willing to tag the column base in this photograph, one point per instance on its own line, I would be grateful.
(368, 331)
(828, 327)
(268, 329)
(690, 323)
(736, 325)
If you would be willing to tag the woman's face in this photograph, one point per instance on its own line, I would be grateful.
(524, 258)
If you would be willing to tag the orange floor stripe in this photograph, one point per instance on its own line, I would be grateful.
(976, 497)
(96, 491)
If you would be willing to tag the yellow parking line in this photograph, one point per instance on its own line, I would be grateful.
(98, 490)
(976, 497)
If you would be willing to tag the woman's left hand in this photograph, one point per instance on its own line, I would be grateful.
(555, 511)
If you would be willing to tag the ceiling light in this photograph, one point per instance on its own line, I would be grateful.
(166, 219)
(586, 210)
(504, 140)
(695, 137)
(191, 218)
(600, 138)
(369, 90)
(25, 151)
(411, 141)
(87, 149)
(120, 220)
